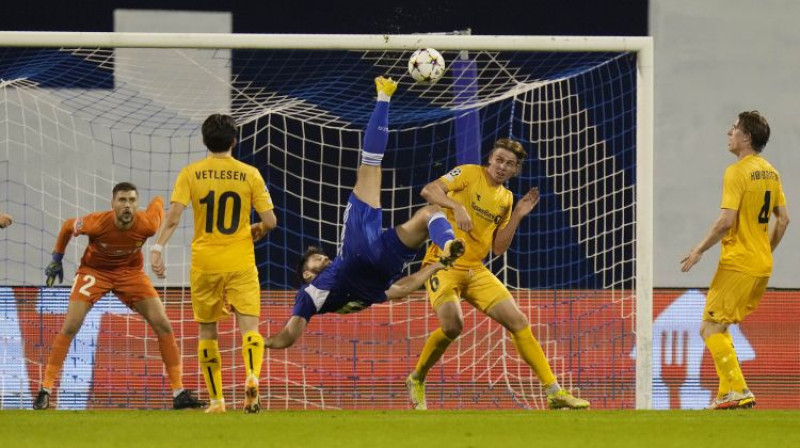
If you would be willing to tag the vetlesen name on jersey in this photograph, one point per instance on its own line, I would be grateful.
(221, 175)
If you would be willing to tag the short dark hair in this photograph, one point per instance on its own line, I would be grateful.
(755, 125)
(301, 266)
(123, 186)
(219, 132)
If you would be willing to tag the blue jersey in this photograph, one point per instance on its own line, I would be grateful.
(369, 261)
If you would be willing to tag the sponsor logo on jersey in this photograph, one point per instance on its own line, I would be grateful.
(485, 214)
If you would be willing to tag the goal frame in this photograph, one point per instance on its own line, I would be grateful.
(641, 46)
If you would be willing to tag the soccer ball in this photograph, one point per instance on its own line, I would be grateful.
(426, 66)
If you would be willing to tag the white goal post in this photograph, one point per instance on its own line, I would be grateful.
(642, 47)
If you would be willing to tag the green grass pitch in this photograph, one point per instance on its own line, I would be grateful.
(385, 429)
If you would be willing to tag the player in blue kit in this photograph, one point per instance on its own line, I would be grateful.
(370, 258)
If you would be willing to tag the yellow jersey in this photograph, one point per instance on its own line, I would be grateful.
(488, 206)
(753, 188)
(222, 192)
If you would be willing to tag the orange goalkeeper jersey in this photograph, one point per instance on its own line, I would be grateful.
(109, 247)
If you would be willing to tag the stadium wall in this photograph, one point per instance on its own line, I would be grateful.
(714, 60)
(360, 361)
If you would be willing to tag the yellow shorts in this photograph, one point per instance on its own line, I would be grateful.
(479, 287)
(215, 295)
(733, 295)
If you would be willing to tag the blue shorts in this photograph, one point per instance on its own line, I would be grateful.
(364, 242)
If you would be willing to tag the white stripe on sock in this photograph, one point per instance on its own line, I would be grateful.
(436, 216)
(371, 158)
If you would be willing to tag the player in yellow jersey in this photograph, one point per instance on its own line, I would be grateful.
(480, 209)
(751, 193)
(223, 277)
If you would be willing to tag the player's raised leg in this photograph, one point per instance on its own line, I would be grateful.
(508, 314)
(76, 313)
(429, 221)
(152, 310)
(376, 136)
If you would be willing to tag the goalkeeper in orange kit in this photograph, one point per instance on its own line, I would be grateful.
(113, 262)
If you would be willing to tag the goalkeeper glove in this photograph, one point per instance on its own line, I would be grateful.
(55, 269)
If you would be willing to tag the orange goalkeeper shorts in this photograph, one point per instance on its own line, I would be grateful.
(90, 285)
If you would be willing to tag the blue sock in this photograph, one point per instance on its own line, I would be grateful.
(440, 230)
(376, 135)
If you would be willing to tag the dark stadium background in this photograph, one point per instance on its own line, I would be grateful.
(543, 17)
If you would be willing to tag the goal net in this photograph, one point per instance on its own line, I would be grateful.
(78, 117)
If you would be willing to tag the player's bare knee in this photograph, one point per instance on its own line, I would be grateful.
(70, 329)
(517, 322)
(162, 327)
(706, 332)
(452, 332)
(430, 210)
(208, 331)
(707, 329)
(452, 328)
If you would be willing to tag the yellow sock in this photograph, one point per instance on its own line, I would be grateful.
(531, 352)
(725, 361)
(211, 365)
(724, 384)
(434, 348)
(253, 352)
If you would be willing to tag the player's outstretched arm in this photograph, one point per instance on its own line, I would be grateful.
(288, 334)
(781, 223)
(720, 227)
(268, 222)
(410, 283)
(164, 234)
(504, 236)
(55, 269)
